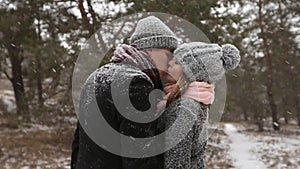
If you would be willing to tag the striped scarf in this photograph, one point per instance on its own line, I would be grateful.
(129, 54)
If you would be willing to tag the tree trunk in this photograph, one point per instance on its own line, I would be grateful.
(39, 83)
(258, 117)
(39, 69)
(99, 43)
(258, 120)
(276, 125)
(260, 126)
(284, 52)
(286, 118)
(85, 19)
(273, 107)
(247, 85)
(298, 109)
(285, 111)
(245, 114)
(17, 80)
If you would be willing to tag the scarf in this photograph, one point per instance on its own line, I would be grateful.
(129, 54)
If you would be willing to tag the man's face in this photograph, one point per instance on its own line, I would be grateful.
(161, 57)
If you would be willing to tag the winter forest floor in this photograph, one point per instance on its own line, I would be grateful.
(39, 145)
(45, 144)
(240, 146)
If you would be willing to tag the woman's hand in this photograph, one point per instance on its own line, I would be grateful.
(168, 88)
(162, 104)
(201, 92)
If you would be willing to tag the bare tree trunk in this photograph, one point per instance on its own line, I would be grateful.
(91, 27)
(245, 115)
(285, 112)
(85, 19)
(258, 120)
(92, 12)
(39, 83)
(276, 125)
(39, 72)
(286, 118)
(298, 109)
(258, 117)
(17, 80)
(246, 86)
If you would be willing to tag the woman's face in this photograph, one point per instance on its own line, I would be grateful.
(175, 69)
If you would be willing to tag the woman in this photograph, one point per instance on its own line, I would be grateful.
(195, 61)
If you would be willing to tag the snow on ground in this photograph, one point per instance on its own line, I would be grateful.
(8, 99)
(217, 151)
(241, 149)
(36, 145)
(278, 149)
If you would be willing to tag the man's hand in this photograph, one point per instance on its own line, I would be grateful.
(201, 92)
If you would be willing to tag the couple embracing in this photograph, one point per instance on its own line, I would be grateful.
(152, 61)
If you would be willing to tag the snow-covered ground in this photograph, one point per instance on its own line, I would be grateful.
(278, 150)
(263, 150)
(241, 149)
(8, 100)
(39, 145)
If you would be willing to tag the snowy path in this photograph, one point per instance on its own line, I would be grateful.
(241, 149)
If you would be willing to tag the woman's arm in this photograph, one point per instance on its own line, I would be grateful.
(200, 139)
(186, 116)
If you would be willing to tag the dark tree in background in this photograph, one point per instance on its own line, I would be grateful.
(16, 30)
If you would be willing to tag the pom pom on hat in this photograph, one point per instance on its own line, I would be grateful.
(230, 57)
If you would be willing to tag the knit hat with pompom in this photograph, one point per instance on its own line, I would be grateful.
(206, 62)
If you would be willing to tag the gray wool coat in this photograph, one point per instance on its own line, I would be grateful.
(99, 89)
(191, 117)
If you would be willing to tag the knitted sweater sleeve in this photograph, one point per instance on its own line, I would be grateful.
(189, 149)
(199, 140)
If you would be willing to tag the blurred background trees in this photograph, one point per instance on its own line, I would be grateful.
(40, 42)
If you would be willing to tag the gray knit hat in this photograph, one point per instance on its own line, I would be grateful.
(206, 62)
(151, 32)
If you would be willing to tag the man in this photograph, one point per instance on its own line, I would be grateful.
(141, 65)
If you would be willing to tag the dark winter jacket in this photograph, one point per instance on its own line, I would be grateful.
(190, 116)
(86, 153)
